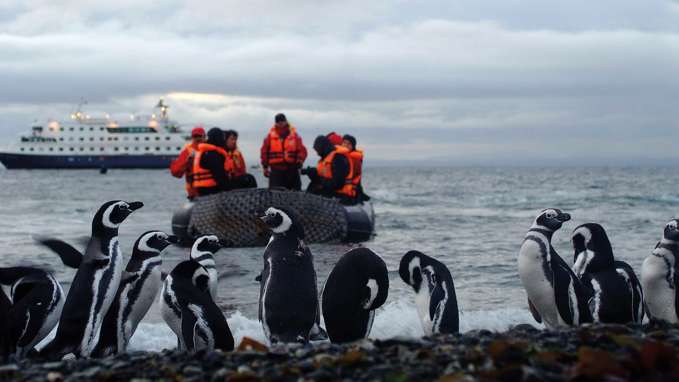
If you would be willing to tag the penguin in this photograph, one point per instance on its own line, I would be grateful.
(434, 292)
(357, 285)
(288, 298)
(617, 295)
(203, 251)
(139, 286)
(659, 276)
(555, 294)
(202, 325)
(35, 302)
(94, 285)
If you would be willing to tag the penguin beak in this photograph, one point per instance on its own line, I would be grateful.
(172, 239)
(266, 220)
(133, 206)
(563, 217)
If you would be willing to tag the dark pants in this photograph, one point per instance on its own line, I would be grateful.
(244, 181)
(288, 179)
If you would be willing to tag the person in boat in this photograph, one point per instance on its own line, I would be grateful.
(282, 155)
(183, 164)
(356, 156)
(235, 163)
(209, 165)
(333, 176)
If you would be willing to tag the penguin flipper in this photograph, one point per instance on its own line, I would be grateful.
(635, 289)
(676, 295)
(534, 312)
(569, 293)
(189, 329)
(70, 256)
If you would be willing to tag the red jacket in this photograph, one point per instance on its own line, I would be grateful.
(266, 145)
(183, 166)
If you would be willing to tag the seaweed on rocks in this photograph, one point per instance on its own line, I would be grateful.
(523, 353)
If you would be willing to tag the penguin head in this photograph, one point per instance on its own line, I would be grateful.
(282, 221)
(370, 267)
(111, 214)
(671, 231)
(592, 249)
(551, 219)
(192, 272)
(207, 243)
(154, 241)
(419, 270)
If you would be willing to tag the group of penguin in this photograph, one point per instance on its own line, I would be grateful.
(597, 288)
(107, 300)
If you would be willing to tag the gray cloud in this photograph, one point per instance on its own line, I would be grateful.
(471, 79)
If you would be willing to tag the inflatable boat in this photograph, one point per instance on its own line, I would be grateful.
(233, 217)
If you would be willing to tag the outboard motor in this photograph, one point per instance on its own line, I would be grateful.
(180, 223)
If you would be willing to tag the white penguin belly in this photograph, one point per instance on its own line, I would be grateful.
(539, 290)
(658, 295)
(148, 292)
(422, 300)
(166, 311)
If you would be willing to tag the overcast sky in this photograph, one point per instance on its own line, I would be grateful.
(462, 82)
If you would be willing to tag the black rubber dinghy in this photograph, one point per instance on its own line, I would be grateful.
(233, 217)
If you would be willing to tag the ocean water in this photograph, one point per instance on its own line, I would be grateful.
(472, 219)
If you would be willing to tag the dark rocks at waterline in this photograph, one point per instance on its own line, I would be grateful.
(613, 352)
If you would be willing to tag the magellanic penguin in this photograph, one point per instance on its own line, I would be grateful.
(202, 324)
(555, 294)
(659, 276)
(139, 286)
(36, 300)
(357, 285)
(203, 251)
(617, 296)
(94, 285)
(434, 292)
(288, 299)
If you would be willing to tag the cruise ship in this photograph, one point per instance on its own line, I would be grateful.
(150, 141)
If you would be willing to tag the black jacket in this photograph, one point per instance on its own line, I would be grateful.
(214, 162)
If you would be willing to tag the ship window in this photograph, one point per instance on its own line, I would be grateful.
(82, 149)
(91, 139)
(31, 149)
(136, 138)
(61, 139)
(179, 148)
(167, 138)
(22, 149)
(136, 149)
(81, 139)
(146, 138)
(115, 138)
(91, 128)
(101, 139)
(101, 149)
(127, 148)
(157, 148)
(168, 148)
(51, 148)
(61, 149)
(91, 148)
(101, 129)
(61, 129)
(71, 149)
(70, 129)
(157, 138)
(115, 149)
(82, 129)
(147, 149)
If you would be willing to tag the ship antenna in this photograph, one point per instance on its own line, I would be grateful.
(78, 115)
(163, 109)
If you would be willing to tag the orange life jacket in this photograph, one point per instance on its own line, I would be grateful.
(202, 177)
(188, 174)
(235, 164)
(286, 151)
(356, 157)
(324, 170)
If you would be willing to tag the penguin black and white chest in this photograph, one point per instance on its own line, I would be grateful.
(357, 285)
(139, 286)
(288, 299)
(203, 251)
(659, 276)
(555, 294)
(202, 324)
(95, 284)
(36, 300)
(617, 295)
(434, 292)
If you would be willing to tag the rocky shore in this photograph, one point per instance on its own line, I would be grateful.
(599, 352)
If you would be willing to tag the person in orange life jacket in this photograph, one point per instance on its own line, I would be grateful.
(334, 183)
(349, 141)
(235, 163)
(282, 155)
(209, 173)
(183, 164)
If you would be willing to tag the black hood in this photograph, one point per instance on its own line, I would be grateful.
(215, 136)
(323, 146)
